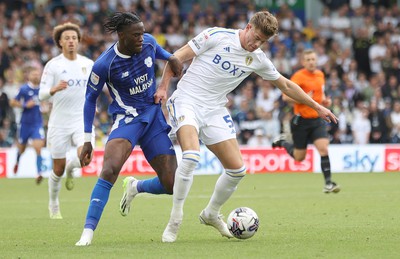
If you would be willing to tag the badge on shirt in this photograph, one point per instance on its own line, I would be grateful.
(148, 62)
(94, 78)
(249, 60)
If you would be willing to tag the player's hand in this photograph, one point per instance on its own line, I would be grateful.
(62, 85)
(29, 104)
(160, 95)
(86, 154)
(176, 66)
(326, 114)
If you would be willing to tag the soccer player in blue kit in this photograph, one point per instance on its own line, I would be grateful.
(127, 68)
(31, 123)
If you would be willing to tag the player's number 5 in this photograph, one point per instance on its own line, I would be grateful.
(228, 120)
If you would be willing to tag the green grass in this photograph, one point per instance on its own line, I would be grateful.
(297, 220)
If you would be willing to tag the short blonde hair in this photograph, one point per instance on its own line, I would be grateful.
(59, 29)
(265, 22)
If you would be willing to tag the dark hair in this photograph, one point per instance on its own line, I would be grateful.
(117, 21)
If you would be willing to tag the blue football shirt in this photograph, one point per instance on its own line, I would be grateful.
(29, 115)
(130, 80)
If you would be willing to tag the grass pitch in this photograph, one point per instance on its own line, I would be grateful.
(297, 220)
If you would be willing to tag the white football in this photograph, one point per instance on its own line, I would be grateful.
(243, 223)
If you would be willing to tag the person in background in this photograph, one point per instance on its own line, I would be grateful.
(306, 124)
(63, 83)
(31, 123)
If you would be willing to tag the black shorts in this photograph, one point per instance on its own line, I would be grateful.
(306, 131)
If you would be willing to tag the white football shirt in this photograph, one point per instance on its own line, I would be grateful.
(219, 66)
(67, 110)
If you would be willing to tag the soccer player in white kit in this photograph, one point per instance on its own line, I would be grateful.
(64, 83)
(222, 58)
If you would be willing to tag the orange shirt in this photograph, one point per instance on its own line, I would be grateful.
(313, 84)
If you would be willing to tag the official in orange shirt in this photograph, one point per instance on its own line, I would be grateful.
(306, 126)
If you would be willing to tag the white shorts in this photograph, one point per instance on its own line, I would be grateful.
(60, 140)
(213, 125)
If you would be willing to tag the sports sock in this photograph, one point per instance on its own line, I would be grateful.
(98, 201)
(73, 163)
(326, 168)
(39, 160)
(183, 181)
(54, 188)
(289, 148)
(152, 185)
(224, 188)
(18, 156)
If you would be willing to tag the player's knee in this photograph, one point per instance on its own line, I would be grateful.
(190, 160)
(237, 173)
(299, 158)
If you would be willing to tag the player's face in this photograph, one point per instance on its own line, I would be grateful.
(34, 77)
(254, 38)
(69, 41)
(310, 61)
(131, 38)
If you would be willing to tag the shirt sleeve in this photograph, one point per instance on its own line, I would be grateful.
(162, 53)
(204, 41)
(267, 70)
(46, 83)
(93, 89)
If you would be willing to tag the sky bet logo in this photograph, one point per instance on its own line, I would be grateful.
(227, 66)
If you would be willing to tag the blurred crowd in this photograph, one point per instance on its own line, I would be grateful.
(358, 45)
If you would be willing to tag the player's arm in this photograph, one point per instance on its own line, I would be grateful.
(182, 55)
(174, 62)
(93, 89)
(16, 101)
(295, 92)
(47, 87)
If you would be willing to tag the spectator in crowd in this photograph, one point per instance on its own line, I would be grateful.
(361, 127)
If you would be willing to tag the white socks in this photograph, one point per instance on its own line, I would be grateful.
(54, 189)
(226, 184)
(73, 163)
(183, 181)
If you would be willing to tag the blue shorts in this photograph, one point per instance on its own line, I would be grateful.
(29, 131)
(149, 130)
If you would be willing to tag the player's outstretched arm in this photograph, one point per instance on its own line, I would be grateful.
(180, 56)
(298, 95)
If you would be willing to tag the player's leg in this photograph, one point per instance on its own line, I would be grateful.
(38, 144)
(184, 121)
(226, 184)
(188, 139)
(117, 151)
(24, 132)
(55, 187)
(297, 148)
(321, 143)
(21, 149)
(58, 142)
(159, 151)
(73, 162)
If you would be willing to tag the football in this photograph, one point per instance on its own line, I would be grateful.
(243, 223)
